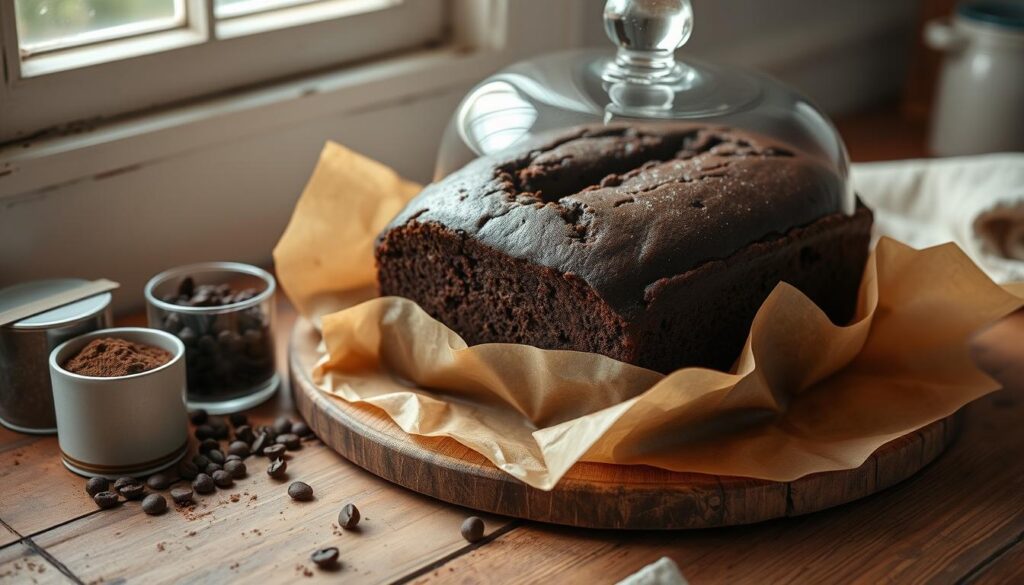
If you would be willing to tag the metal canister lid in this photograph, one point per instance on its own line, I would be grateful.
(19, 294)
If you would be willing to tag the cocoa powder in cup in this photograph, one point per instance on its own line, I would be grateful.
(108, 357)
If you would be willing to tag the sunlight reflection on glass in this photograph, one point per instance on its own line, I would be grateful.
(53, 24)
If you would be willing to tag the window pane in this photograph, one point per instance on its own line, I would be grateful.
(229, 8)
(49, 24)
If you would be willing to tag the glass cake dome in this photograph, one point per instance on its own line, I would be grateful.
(640, 83)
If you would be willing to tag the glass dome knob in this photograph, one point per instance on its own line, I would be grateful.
(647, 33)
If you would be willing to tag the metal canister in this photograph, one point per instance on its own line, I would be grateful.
(26, 399)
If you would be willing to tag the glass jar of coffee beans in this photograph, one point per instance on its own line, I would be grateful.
(224, 314)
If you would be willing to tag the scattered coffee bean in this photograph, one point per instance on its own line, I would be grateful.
(133, 491)
(300, 491)
(204, 431)
(236, 468)
(106, 500)
(209, 469)
(290, 441)
(278, 469)
(325, 558)
(245, 433)
(203, 484)
(232, 457)
(96, 485)
(181, 496)
(275, 451)
(238, 419)
(199, 416)
(301, 429)
(187, 469)
(201, 461)
(209, 445)
(348, 517)
(282, 425)
(123, 481)
(472, 529)
(269, 430)
(223, 479)
(154, 505)
(262, 440)
(239, 448)
(159, 481)
(216, 456)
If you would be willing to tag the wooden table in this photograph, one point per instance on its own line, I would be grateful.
(960, 520)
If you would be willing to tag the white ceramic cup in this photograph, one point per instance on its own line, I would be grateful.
(123, 425)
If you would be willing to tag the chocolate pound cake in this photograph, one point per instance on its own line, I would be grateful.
(653, 246)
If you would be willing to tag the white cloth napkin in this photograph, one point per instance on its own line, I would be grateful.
(664, 571)
(975, 201)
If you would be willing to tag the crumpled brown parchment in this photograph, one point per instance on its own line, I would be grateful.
(806, 396)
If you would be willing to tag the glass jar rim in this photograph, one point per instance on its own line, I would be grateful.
(199, 267)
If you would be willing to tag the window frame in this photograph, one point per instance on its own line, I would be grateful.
(206, 57)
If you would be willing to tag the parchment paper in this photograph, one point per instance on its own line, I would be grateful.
(805, 395)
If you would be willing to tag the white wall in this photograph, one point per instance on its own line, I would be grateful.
(230, 200)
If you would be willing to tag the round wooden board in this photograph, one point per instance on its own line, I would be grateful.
(592, 495)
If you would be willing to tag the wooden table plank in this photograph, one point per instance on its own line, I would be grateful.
(1008, 567)
(9, 438)
(47, 493)
(7, 536)
(20, 564)
(264, 532)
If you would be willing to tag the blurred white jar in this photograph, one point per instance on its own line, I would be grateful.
(979, 106)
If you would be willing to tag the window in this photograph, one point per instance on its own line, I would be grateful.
(51, 24)
(77, 61)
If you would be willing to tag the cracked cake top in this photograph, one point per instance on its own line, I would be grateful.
(623, 207)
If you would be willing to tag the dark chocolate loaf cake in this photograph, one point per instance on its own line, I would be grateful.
(652, 246)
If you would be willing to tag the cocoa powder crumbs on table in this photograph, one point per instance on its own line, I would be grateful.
(109, 356)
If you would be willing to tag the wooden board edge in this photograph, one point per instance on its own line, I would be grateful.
(699, 502)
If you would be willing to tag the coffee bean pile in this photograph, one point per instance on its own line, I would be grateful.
(227, 353)
(210, 469)
(213, 466)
